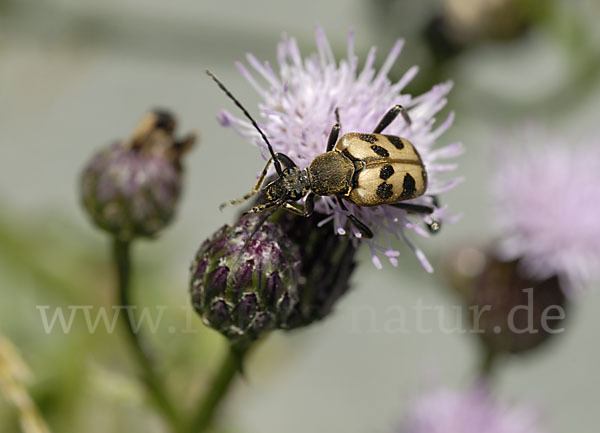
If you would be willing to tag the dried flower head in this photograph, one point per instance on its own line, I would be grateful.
(131, 188)
(473, 411)
(245, 283)
(547, 205)
(298, 110)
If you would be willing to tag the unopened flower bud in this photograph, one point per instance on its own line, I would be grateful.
(131, 188)
(511, 311)
(243, 288)
(464, 23)
(327, 265)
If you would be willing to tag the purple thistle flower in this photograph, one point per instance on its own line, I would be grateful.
(547, 203)
(244, 287)
(298, 110)
(473, 411)
(131, 188)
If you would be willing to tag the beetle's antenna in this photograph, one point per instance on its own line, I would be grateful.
(262, 134)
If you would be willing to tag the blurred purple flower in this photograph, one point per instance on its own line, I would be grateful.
(131, 188)
(547, 200)
(473, 411)
(298, 104)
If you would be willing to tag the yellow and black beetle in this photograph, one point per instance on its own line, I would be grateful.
(365, 169)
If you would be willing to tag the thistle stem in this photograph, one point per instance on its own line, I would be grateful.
(230, 367)
(488, 363)
(122, 261)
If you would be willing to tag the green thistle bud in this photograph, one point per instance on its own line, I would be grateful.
(131, 188)
(245, 288)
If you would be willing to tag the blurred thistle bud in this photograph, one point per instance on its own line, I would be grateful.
(469, 20)
(244, 288)
(131, 188)
(464, 23)
(510, 311)
(548, 240)
(328, 261)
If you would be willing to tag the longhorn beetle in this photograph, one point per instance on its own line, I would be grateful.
(364, 169)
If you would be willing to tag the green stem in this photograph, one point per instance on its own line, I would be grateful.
(122, 259)
(230, 367)
(488, 363)
(20, 247)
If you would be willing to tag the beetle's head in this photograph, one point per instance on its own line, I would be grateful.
(292, 185)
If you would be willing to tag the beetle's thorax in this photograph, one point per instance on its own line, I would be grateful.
(292, 185)
(331, 173)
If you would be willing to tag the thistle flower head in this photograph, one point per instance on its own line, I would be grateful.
(547, 205)
(298, 111)
(473, 411)
(131, 188)
(245, 283)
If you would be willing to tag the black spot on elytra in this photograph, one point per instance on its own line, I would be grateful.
(386, 172)
(408, 187)
(396, 141)
(380, 151)
(369, 138)
(384, 190)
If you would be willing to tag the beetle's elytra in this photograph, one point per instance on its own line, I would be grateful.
(385, 169)
(364, 169)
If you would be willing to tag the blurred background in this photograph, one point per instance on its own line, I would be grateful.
(75, 75)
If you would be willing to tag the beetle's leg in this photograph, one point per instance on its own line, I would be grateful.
(414, 208)
(293, 209)
(362, 227)
(419, 208)
(434, 225)
(255, 189)
(335, 132)
(261, 208)
(285, 160)
(390, 116)
(309, 204)
(266, 215)
(306, 210)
